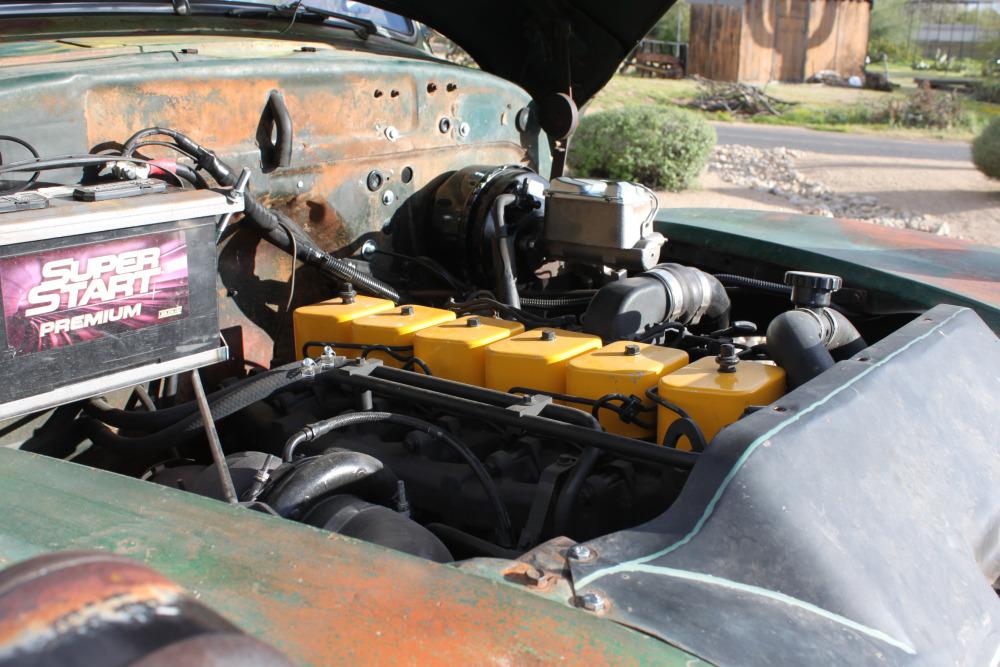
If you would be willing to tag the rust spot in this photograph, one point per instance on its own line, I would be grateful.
(63, 591)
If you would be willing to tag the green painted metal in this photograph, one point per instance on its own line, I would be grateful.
(319, 597)
(911, 267)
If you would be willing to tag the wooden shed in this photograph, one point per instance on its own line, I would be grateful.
(777, 40)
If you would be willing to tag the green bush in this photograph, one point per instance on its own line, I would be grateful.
(664, 148)
(986, 150)
(987, 90)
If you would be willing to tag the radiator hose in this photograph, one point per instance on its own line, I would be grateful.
(813, 336)
(673, 292)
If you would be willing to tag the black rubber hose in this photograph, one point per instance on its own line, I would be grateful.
(142, 420)
(565, 302)
(34, 177)
(685, 427)
(801, 340)
(256, 389)
(469, 546)
(566, 503)
(667, 292)
(316, 477)
(318, 429)
(730, 280)
(351, 516)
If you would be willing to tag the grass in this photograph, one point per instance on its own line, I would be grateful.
(817, 106)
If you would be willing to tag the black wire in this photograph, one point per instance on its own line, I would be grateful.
(510, 312)
(34, 177)
(67, 161)
(431, 266)
(596, 404)
(394, 351)
(168, 144)
(653, 395)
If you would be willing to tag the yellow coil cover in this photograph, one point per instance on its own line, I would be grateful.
(622, 368)
(457, 350)
(330, 321)
(535, 359)
(714, 399)
(396, 327)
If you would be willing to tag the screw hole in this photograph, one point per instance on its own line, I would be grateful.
(378, 93)
(406, 175)
(779, 408)
(432, 87)
(394, 93)
(452, 87)
(864, 358)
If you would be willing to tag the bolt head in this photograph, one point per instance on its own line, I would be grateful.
(464, 129)
(300, 184)
(368, 248)
(594, 602)
(580, 552)
(548, 335)
(473, 322)
(406, 310)
(632, 350)
(391, 133)
(388, 197)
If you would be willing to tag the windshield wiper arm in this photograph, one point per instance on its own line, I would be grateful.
(370, 27)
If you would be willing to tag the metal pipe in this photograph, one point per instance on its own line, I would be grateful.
(455, 402)
(228, 488)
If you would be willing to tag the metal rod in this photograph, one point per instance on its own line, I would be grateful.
(228, 489)
(471, 407)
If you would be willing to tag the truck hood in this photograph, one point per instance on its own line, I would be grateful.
(545, 46)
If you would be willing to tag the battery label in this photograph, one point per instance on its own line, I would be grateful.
(56, 298)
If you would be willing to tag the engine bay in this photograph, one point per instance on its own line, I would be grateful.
(514, 362)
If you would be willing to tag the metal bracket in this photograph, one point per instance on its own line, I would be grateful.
(533, 405)
(363, 368)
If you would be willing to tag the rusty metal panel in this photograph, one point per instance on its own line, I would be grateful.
(318, 597)
(914, 268)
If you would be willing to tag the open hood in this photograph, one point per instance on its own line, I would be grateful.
(545, 46)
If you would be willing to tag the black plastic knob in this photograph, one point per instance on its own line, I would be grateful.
(812, 290)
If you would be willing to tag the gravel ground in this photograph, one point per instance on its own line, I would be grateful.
(937, 196)
(774, 171)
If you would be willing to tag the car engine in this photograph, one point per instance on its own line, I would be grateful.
(516, 361)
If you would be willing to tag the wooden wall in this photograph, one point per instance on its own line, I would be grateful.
(714, 44)
(785, 40)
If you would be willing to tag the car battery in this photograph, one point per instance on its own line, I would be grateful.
(106, 287)
(715, 398)
(330, 322)
(623, 368)
(396, 328)
(535, 359)
(457, 350)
